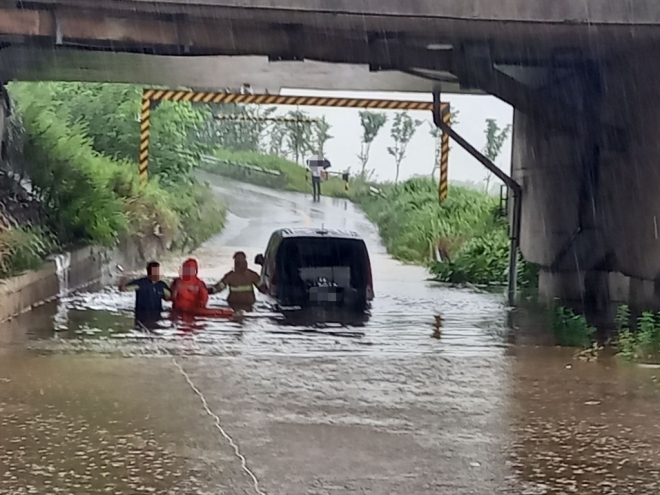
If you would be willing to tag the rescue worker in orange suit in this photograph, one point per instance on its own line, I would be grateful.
(241, 282)
(188, 291)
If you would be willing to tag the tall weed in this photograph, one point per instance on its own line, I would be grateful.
(570, 329)
(22, 249)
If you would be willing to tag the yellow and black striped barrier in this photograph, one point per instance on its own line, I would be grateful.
(145, 124)
(154, 95)
(443, 183)
(265, 99)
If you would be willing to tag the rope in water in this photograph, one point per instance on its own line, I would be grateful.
(215, 417)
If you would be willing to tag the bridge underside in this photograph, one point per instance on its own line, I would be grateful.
(582, 78)
(416, 39)
(200, 72)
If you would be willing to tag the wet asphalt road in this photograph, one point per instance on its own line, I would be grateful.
(390, 407)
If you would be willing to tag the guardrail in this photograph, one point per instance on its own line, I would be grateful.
(374, 191)
(241, 171)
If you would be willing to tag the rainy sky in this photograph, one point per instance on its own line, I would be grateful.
(342, 150)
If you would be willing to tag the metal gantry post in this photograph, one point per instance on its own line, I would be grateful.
(443, 182)
(145, 128)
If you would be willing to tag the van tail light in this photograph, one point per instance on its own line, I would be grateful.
(370, 283)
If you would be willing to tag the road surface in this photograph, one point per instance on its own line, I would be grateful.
(392, 406)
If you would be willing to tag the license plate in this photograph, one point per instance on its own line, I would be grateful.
(324, 294)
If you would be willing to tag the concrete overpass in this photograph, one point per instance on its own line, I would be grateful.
(580, 74)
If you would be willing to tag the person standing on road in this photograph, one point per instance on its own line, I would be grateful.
(150, 291)
(315, 168)
(241, 282)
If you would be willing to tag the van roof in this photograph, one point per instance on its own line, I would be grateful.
(321, 232)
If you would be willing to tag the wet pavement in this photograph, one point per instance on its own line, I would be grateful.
(390, 405)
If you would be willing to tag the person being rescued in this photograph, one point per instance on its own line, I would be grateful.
(241, 282)
(189, 293)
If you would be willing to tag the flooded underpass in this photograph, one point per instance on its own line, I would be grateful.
(391, 404)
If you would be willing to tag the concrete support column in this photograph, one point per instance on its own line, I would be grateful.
(592, 221)
(5, 110)
(630, 188)
(545, 165)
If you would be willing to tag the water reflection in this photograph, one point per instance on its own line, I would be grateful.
(431, 392)
(103, 322)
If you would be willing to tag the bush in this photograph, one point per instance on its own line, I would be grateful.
(570, 329)
(642, 344)
(480, 260)
(91, 198)
(468, 227)
(201, 212)
(108, 113)
(22, 249)
(412, 222)
(69, 176)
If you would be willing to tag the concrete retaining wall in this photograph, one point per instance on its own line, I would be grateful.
(64, 273)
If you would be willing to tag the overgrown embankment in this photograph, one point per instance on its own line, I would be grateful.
(77, 150)
(293, 177)
(468, 232)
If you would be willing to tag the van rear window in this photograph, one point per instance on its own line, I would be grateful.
(307, 256)
(320, 252)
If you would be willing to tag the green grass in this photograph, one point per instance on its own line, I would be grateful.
(23, 249)
(295, 175)
(570, 329)
(468, 227)
(642, 343)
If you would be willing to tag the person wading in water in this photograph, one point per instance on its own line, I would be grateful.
(149, 294)
(241, 282)
(189, 293)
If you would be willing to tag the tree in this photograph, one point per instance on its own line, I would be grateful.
(436, 133)
(372, 123)
(495, 139)
(242, 134)
(299, 136)
(321, 136)
(403, 130)
(278, 133)
(110, 114)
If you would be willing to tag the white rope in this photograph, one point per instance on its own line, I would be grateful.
(215, 417)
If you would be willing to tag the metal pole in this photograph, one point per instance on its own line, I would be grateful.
(514, 248)
(514, 189)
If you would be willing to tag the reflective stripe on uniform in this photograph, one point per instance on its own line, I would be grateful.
(240, 288)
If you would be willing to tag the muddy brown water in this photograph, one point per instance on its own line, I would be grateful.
(388, 405)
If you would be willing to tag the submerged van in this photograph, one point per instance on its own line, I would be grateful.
(311, 267)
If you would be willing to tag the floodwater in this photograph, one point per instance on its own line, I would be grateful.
(389, 405)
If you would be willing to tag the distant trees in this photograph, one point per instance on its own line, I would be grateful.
(403, 130)
(236, 127)
(321, 136)
(372, 123)
(298, 139)
(495, 139)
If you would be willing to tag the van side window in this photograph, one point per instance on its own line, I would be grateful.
(271, 252)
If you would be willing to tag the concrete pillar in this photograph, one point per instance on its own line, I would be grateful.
(5, 109)
(545, 165)
(579, 225)
(630, 190)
